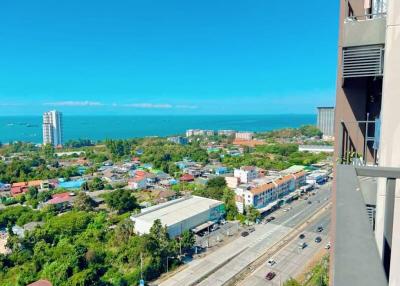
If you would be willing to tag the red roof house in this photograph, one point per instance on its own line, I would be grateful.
(186, 178)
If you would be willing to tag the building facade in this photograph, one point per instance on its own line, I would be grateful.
(326, 120)
(246, 174)
(53, 128)
(367, 136)
(244, 135)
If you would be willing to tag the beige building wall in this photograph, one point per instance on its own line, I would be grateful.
(389, 152)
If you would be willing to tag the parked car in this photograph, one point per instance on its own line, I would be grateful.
(309, 202)
(302, 236)
(271, 262)
(244, 233)
(318, 239)
(302, 245)
(272, 217)
(320, 228)
(328, 245)
(270, 275)
(251, 229)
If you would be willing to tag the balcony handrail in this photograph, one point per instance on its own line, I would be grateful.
(365, 17)
(378, 172)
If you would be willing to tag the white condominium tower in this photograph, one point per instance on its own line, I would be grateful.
(52, 128)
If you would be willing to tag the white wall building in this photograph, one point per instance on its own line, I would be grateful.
(53, 128)
(246, 174)
(244, 135)
(179, 215)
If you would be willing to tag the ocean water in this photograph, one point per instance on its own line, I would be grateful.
(29, 129)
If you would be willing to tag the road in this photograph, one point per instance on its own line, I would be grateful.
(291, 260)
(224, 263)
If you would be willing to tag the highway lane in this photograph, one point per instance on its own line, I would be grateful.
(224, 263)
(291, 260)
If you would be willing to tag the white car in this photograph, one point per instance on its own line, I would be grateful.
(328, 245)
(271, 262)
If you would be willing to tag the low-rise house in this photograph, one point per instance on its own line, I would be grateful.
(232, 182)
(137, 183)
(41, 282)
(4, 187)
(61, 200)
(246, 173)
(186, 178)
(23, 187)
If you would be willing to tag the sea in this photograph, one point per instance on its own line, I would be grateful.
(29, 128)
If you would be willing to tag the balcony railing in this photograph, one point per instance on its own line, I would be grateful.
(356, 257)
(359, 142)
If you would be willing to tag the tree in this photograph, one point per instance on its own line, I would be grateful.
(216, 183)
(48, 150)
(83, 202)
(121, 201)
(230, 204)
(124, 231)
(310, 131)
(187, 240)
(252, 213)
(96, 184)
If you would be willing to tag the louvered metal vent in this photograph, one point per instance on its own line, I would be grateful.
(363, 61)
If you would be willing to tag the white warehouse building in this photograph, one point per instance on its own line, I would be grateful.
(179, 215)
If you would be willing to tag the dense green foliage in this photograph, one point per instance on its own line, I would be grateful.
(80, 248)
(32, 169)
(121, 201)
(18, 215)
(78, 143)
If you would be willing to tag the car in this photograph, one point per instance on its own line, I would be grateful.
(328, 245)
(244, 234)
(223, 221)
(302, 245)
(302, 236)
(214, 227)
(320, 229)
(272, 217)
(271, 262)
(251, 229)
(309, 202)
(285, 210)
(270, 275)
(318, 239)
(269, 219)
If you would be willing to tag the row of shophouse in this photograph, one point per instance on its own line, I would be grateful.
(254, 188)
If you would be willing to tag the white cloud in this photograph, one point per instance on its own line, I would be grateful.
(74, 103)
(148, 105)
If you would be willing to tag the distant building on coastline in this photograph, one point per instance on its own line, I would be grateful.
(243, 135)
(326, 120)
(52, 128)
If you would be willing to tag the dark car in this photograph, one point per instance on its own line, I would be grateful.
(320, 229)
(309, 202)
(318, 239)
(244, 233)
(302, 236)
(270, 275)
(272, 217)
(251, 229)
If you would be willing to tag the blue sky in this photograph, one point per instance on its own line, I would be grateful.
(167, 57)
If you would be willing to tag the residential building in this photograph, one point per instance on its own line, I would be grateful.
(178, 140)
(246, 173)
(269, 193)
(366, 218)
(244, 135)
(232, 182)
(53, 128)
(326, 120)
(180, 215)
(137, 183)
(226, 132)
